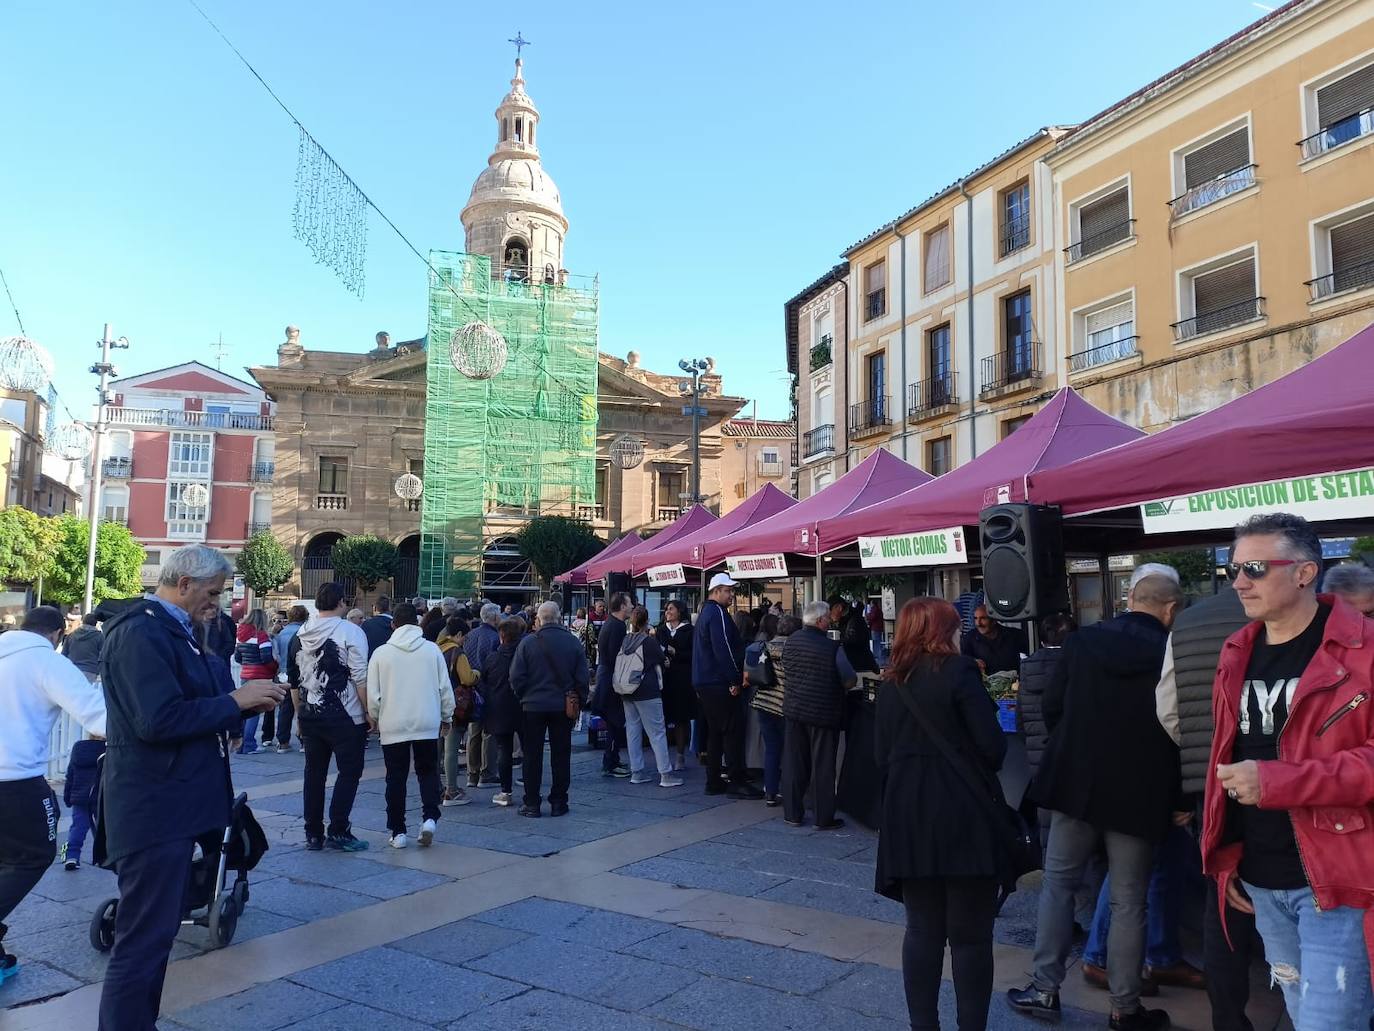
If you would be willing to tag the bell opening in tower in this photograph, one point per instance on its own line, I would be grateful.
(516, 261)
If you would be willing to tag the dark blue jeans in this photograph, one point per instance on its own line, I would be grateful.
(773, 728)
(81, 825)
(285, 713)
(1163, 905)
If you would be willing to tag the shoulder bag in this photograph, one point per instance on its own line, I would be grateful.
(572, 701)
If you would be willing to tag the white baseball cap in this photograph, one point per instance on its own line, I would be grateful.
(721, 580)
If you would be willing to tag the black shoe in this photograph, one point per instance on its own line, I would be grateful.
(715, 787)
(790, 822)
(743, 790)
(532, 811)
(1141, 1020)
(314, 843)
(833, 825)
(561, 809)
(772, 801)
(1034, 1003)
(489, 782)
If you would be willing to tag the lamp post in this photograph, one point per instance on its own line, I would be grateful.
(694, 367)
(104, 370)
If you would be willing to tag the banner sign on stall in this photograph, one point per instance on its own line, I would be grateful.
(665, 576)
(930, 548)
(1347, 495)
(756, 567)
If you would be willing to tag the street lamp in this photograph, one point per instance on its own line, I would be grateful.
(694, 367)
(104, 369)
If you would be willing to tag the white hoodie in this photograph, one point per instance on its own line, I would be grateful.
(408, 690)
(36, 683)
(332, 665)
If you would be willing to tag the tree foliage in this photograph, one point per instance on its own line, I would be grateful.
(27, 545)
(117, 560)
(555, 544)
(1362, 550)
(1194, 565)
(365, 559)
(263, 563)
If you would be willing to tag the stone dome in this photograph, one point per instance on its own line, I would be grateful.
(516, 183)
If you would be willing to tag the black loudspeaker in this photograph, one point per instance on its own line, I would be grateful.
(1024, 576)
(616, 583)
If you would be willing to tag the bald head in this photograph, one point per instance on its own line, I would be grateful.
(1157, 595)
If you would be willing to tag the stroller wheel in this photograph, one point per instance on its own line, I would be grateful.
(241, 895)
(103, 925)
(224, 918)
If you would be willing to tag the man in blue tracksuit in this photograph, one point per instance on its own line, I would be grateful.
(718, 676)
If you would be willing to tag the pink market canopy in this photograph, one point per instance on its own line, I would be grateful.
(577, 576)
(1317, 419)
(689, 522)
(1066, 429)
(690, 550)
(878, 477)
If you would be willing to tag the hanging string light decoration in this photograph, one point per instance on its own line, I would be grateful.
(71, 440)
(330, 216)
(195, 496)
(627, 451)
(478, 351)
(409, 487)
(24, 365)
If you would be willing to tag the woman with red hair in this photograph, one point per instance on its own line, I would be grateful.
(938, 852)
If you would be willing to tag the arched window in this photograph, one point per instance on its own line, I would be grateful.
(519, 130)
(516, 259)
(505, 129)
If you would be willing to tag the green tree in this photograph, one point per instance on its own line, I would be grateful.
(555, 544)
(117, 560)
(27, 545)
(1194, 565)
(366, 559)
(263, 563)
(1363, 550)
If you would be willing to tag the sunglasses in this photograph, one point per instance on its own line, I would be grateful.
(1257, 568)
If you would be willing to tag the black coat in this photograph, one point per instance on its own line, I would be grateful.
(1108, 761)
(605, 702)
(857, 642)
(1036, 671)
(377, 630)
(815, 693)
(501, 709)
(932, 825)
(679, 697)
(165, 776)
(82, 646)
(547, 665)
(82, 772)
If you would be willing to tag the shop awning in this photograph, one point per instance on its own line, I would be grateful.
(577, 576)
(689, 522)
(797, 531)
(689, 550)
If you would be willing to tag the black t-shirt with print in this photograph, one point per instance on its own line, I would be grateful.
(1270, 858)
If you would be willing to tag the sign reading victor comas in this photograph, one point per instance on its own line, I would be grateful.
(756, 567)
(1347, 495)
(930, 548)
(665, 576)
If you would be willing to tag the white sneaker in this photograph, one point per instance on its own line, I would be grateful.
(641, 777)
(501, 798)
(426, 833)
(399, 841)
(670, 780)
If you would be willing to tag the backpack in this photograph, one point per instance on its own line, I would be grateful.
(629, 666)
(466, 701)
(759, 666)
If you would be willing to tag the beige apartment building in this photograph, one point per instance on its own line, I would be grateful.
(755, 452)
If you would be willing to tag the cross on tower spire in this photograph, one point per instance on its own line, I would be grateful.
(520, 43)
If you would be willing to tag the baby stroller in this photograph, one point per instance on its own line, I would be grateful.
(211, 901)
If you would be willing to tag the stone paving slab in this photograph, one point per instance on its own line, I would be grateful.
(545, 1011)
(349, 1017)
(720, 1005)
(35, 980)
(734, 958)
(393, 884)
(835, 898)
(304, 901)
(461, 941)
(268, 1007)
(695, 875)
(572, 923)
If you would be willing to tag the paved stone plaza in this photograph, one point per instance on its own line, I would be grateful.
(644, 908)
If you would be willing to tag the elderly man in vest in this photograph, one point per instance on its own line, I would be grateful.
(818, 674)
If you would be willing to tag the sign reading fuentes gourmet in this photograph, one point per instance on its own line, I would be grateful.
(930, 548)
(1346, 495)
(756, 567)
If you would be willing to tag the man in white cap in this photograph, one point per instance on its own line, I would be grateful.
(718, 676)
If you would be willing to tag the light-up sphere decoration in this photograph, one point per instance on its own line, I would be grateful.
(409, 486)
(478, 351)
(627, 451)
(24, 365)
(195, 496)
(71, 440)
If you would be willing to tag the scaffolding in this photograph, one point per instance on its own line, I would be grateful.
(522, 443)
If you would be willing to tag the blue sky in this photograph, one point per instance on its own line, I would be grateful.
(713, 158)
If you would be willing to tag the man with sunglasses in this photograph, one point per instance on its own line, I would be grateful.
(1288, 829)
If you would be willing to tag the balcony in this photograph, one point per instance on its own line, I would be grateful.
(185, 530)
(1337, 134)
(255, 528)
(869, 417)
(667, 514)
(820, 354)
(820, 441)
(930, 397)
(262, 472)
(1212, 191)
(1104, 354)
(1090, 245)
(1015, 368)
(1352, 277)
(1219, 318)
(875, 304)
(771, 469)
(174, 419)
(331, 502)
(117, 468)
(413, 504)
(591, 513)
(1015, 234)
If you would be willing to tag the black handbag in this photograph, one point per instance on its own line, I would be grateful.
(1020, 848)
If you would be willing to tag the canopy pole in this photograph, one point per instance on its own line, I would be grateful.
(1104, 573)
(820, 578)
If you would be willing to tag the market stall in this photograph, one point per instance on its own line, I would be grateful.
(689, 522)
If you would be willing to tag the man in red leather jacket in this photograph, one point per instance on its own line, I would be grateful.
(1288, 828)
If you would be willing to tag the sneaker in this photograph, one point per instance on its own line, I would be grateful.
(1031, 1001)
(619, 771)
(531, 811)
(62, 853)
(790, 822)
(427, 833)
(9, 966)
(344, 842)
(743, 790)
(1141, 1020)
(833, 825)
(501, 798)
(283, 748)
(558, 808)
(772, 801)
(313, 843)
(670, 780)
(473, 785)
(399, 841)
(641, 777)
(455, 797)
(72, 864)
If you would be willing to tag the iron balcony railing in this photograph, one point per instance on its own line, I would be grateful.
(1018, 364)
(1015, 234)
(1219, 318)
(117, 468)
(875, 304)
(1337, 134)
(771, 469)
(818, 441)
(1352, 277)
(262, 472)
(1212, 191)
(1099, 241)
(176, 419)
(821, 354)
(869, 416)
(1102, 354)
(928, 395)
(256, 527)
(331, 502)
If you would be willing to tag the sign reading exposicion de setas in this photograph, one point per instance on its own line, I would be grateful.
(1345, 495)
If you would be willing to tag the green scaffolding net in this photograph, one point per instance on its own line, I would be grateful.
(521, 443)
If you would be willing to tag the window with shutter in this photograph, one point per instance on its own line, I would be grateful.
(1209, 162)
(875, 290)
(1108, 335)
(1104, 222)
(1107, 320)
(1352, 254)
(1224, 297)
(936, 259)
(1346, 97)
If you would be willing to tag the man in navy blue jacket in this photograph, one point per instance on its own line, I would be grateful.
(718, 676)
(166, 778)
